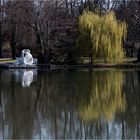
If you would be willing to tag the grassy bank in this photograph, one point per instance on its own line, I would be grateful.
(6, 60)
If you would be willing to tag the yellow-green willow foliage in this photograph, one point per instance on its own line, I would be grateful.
(103, 36)
(106, 97)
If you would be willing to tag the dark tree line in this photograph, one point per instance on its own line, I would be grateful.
(130, 12)
(49, 27)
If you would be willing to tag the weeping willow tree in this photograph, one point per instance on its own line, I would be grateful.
(103, 36)
(106, 96)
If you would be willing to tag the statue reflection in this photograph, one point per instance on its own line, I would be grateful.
(26, 77)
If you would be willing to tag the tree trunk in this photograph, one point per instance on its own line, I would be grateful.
(13, 42)
(40, 43)
(0, 39)
(138, 56)
(13, 49)
(91, 56)
(66, 6)
(1, 20)
(42, 59)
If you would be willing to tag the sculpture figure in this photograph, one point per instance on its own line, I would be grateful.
(26, 58)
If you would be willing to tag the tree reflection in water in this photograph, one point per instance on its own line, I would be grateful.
(106, 97)
(70, 104)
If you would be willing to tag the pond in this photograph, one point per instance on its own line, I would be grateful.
(70, 104)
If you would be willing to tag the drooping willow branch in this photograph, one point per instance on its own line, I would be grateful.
(103, 35)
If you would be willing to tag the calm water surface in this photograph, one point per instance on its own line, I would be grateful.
(74, 104)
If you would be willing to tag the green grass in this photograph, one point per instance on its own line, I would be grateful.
(86, 60)
(5, 60)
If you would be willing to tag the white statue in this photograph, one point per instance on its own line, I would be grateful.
(27, 58)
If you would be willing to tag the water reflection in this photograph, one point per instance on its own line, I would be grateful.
(25, 76)
(106, 96)
(71, 105)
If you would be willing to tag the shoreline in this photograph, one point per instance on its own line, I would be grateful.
(76, 66)
(8, 63)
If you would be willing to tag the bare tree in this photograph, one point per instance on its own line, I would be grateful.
(1, 24)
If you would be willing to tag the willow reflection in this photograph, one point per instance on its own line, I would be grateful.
(106, 97)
